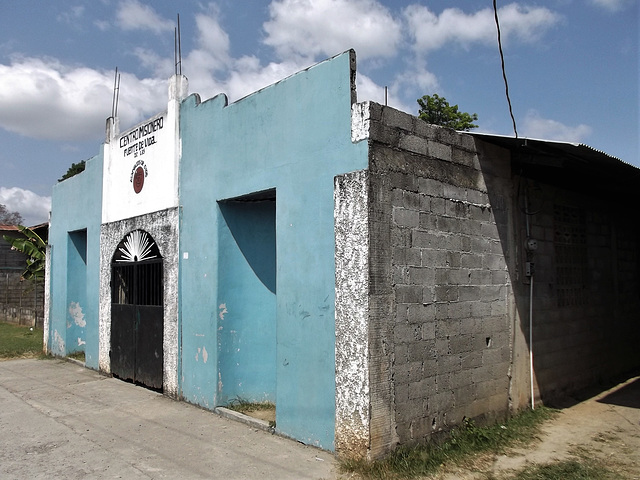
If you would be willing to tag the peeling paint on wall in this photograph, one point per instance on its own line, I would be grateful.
(81, 342)
(58, 344)
(75, 310)
(352, 310)
(223, 311)
(360, 121)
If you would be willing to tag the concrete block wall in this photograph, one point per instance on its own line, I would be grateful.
(590, 334)
(439, 273)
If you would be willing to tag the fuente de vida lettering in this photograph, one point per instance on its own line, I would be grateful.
(137, 140)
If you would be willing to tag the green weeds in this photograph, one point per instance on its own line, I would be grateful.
(18, 341)
(575, 469)
(463, 442)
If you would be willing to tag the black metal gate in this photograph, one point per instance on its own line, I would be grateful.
(137, 318)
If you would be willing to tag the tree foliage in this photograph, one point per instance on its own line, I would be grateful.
(34, 248)
(436, 110)
(74, 169)
(9, 218)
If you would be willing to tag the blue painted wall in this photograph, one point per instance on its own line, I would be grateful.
(74, 282)
(76, 290)
(293, 137)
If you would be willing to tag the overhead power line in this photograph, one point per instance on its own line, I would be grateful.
(504, 73)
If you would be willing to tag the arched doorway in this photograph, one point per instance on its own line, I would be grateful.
(137, 317)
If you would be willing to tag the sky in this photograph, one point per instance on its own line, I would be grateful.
(572, 68)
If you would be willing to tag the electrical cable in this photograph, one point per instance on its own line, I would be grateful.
(504, 73)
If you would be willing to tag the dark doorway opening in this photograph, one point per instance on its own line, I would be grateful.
(137, 312)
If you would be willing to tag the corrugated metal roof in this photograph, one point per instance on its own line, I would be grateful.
(575, 151)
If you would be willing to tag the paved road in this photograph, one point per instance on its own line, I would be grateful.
(60, 420)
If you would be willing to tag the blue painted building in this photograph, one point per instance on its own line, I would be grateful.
(239, 200)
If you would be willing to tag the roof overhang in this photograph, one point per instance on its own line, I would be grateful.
(570, 164)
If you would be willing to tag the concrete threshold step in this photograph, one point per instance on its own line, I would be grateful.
(246, 419)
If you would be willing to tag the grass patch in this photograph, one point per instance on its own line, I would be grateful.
(244, 406)
(582, 469)
(263, 410)
(77, 356)
(463, 442)
(18, 341)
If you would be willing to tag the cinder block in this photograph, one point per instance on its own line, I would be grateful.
(465, 395)
(413, 143)
(442, 311)
(397, 197)
(405, 218)
(446, 365)
(489, 230)
(498, 308)
(470, 293)
(399, 274)
(460, 378)
(461, 344)
(406, 182)
(463, 157)
(411, 200)
(458, 209)
(471, 360)
(480, 309)
(490, 388)
(446, 241)
(446, 293)
(419, 314)
(449, 224)
(438, 206)
(401, 393)
(396, 118)
(480, 214)
(494, 262)
(471, 260)
(465, 241)
(417, 351)
(460, 310)
(478, 197)
(439, 150)
(406, 256)
(453, 259)
(406, 333)
(454, 192)
(480, 277)
(431, 187)
(428, 221)
(429, 330)
(421, 276)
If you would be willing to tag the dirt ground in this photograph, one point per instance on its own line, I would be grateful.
(604, 428)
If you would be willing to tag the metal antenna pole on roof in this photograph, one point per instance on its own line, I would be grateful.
(177, 49)
(116, 94)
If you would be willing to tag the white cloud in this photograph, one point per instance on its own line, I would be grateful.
(45, 99)
(306, 28)
(613, 5)
(535, 126)
(213, 70)
(133, 15)
(71, 15)
(33, 207)
(453, 26)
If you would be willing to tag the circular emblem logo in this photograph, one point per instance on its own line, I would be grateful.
(138, 180)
